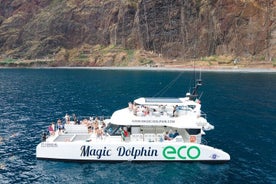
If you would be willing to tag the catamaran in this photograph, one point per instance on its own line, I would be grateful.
(147, 129)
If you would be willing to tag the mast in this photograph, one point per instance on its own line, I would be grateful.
(197, 84)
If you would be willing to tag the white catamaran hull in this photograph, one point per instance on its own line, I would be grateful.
(129, 151)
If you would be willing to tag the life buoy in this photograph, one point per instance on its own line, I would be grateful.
(192, 138)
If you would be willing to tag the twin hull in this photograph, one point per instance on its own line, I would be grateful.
(108, 151)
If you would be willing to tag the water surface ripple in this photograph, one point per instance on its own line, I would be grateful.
(242, 106)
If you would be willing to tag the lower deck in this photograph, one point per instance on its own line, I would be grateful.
(80, 133)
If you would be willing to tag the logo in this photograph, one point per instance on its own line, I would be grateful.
(214, 156)
(172, 153)
(98, 153)
(141, 152)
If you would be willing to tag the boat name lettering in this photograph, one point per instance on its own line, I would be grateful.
(87, 151)
(134, 152)
(51, 145)
(170, 152)
(152, 121)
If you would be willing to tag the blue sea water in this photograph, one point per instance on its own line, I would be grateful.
(241, 106)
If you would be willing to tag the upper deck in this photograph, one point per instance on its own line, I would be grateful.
(164, 101)
(175, 112)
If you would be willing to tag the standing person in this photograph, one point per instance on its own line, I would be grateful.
(166, 136)
(124, 133)
(99, 133)
(67, 118)
(175, 111)
(171, 134)
(103, 125)
(51, 129)
(75, 119)
(60, 126)
(44, 137)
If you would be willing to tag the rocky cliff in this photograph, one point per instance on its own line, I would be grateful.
(108, 32)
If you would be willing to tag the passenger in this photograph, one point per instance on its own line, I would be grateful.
(135, 109)
(161, 109)
(95, 125)
(60, 126)
(166, 136)
(96, 122)
(103, 125)
(51, 129)
(89, 127)
(130, 106)
(99, 132)
(175, 111)
(75, 119)
(67, 119)
(124, 133)
(44, 137)
(161, 139)
(84, 122)
(171, 134)
(146, 110)
(175, 134)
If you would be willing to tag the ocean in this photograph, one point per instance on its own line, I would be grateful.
(241, 106)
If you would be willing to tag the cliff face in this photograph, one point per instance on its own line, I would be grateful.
(172, 28)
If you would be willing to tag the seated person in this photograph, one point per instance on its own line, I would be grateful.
(167, 137)
(84, 122)
(171, 134)
(175, 134)
(99, 132)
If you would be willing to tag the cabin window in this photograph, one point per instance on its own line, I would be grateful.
(191, 106)
(193, 131)
(118, 131)
(111, 129)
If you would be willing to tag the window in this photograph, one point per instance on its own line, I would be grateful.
(111, 128)
(193, 131)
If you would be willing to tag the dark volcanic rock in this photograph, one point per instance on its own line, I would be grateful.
(173, 28)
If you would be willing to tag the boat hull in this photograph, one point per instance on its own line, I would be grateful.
(129, 151)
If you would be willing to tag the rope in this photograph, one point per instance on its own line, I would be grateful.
(167, 87)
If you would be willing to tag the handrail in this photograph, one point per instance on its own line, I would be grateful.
(204, 141)
(203, 114)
